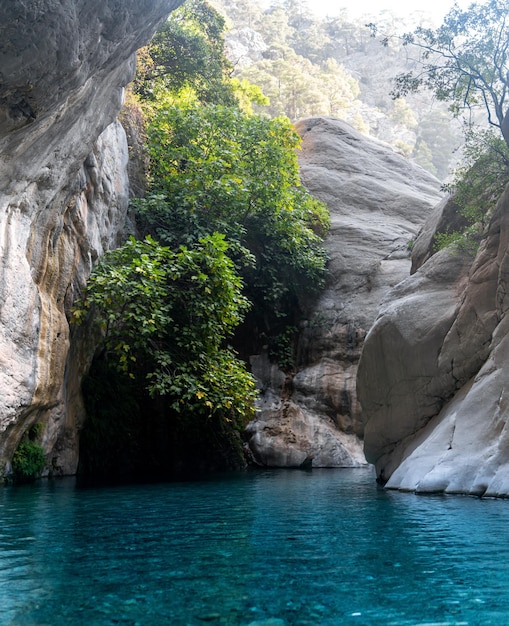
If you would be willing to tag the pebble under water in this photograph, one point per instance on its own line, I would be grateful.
(261, 548)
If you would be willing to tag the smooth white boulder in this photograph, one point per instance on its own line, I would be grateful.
(433, 379)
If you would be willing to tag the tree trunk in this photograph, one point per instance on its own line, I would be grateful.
(504, 127)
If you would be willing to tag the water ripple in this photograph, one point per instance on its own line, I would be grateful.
(275, 548)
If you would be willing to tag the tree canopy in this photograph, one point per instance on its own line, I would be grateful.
(465, 61)
(187, 51)
(217, 169)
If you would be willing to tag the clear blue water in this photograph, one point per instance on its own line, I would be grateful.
(325, 547)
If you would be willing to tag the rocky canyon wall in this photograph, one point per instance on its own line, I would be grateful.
(434, 370)
(63, 197)
(378, 201)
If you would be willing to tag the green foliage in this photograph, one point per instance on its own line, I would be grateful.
(282, 348)
(247, 95)
(298, 88)
(165, 315)
(465, 61)
(29, 459)
(218, 169)
(466, 240)
(187, 52)
(476, 187)
(226, 222)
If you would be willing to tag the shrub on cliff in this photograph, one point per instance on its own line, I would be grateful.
(29, 459)
(476, 187)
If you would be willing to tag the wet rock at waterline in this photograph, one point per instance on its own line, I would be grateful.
(434, 371)
(378, 201)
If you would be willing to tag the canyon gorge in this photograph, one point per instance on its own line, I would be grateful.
(400, 363)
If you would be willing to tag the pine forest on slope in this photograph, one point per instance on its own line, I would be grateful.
(309, 66)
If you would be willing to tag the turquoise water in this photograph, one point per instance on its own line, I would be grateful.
(325, 547)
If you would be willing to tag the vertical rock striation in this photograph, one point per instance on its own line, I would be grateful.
(378, 200)
(63, 196)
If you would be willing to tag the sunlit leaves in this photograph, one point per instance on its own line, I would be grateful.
(217, 169)
(187, 52)
(165, 315)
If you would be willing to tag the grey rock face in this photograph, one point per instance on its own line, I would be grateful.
(438, 353)
(378, 200)
(245, 46)
(63, 195)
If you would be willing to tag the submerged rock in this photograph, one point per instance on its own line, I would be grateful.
(271, 621)
(378, 200)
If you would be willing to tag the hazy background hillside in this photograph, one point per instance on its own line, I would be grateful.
(310, 65)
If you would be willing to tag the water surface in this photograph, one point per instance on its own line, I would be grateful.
(325, 547)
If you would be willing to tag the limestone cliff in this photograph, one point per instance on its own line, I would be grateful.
(433, 374)
(63, 196)
(378, 200)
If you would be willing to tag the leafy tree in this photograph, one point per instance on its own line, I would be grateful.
(188, 51)
(217, 169)
(165, 316)
(465, 61)
(248, 95)
(224, 197)
(165, 395)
